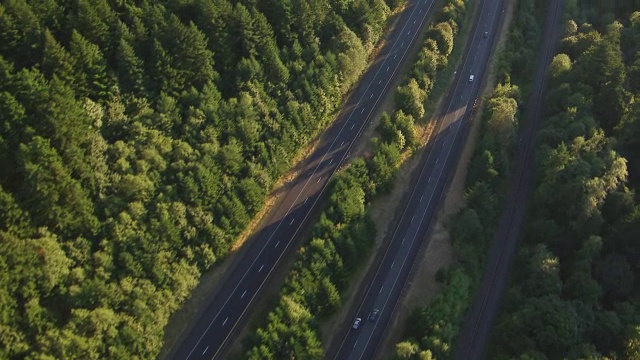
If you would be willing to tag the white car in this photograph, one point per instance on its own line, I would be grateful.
(356, 323)
(471, 77)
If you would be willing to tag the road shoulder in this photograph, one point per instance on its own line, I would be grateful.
(437, 253)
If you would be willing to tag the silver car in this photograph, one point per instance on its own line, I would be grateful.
(356, 323)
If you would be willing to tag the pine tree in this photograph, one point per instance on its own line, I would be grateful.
(20, 33)
(12, 123)
(190, 53)
(91, 68)
(93, 19)
(52, 197)
(167, 78)
(56, 60)
(130, 69)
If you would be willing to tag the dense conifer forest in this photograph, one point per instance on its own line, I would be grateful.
(138, 139)
(574, 292)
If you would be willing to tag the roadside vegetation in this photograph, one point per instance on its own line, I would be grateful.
(573, 292)
(137, 141)
(433, 329)
(343, 236)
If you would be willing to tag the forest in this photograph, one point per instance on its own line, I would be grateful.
(137, 141)
(574, 294)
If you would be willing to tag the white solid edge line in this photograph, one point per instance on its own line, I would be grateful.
(455, 134)
(421, 22)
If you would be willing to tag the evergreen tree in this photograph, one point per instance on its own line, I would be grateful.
(90, 66)
(20, 33)
(57, 61)
(130, 69)
(94, 20)
(52, 197)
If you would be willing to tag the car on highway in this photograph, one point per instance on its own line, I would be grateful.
(485, 35)
(374, 314)
(471, 77)
(356, 323)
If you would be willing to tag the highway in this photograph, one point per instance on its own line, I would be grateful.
(479, 322)
(438, 163)
(242, 284)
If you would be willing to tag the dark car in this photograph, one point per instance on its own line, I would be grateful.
(374, 314)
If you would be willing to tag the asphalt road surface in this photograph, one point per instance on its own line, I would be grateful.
(215, 327)
(478, 324)
(439, 161)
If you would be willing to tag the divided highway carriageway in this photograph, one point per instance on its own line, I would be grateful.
(429, 184)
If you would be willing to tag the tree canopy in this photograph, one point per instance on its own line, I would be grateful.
(574, 295)
(137, 141)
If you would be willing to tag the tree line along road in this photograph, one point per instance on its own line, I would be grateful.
(438, 163)
(478, 324)
(218, 322)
